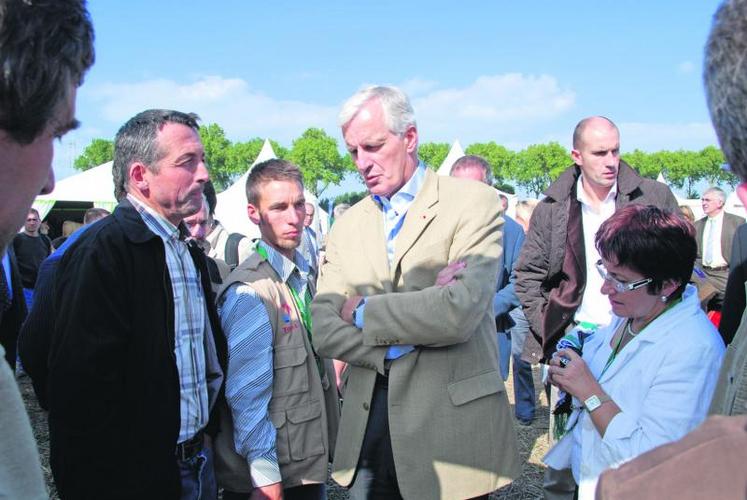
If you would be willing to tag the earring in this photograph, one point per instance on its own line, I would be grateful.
(664, 298)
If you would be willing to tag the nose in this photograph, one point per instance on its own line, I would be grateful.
(362, 160)
(202, 174)
(607, 288)
(48, 186)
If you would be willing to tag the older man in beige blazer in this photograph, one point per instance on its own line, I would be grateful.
(405, 299)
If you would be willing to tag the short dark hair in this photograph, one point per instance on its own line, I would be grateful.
(137, 141)
(45, 48)
(725, 78)
(270, 170)
(656, 243)
(34, 211)
(211, 197)
(474, 161)
(94, 214)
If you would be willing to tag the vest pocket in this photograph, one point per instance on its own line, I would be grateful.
(290, 373)
(299, 432)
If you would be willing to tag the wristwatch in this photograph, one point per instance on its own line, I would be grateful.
(593, 402)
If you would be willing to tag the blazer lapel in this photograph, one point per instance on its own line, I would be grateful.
(373, 242)
(419, 215)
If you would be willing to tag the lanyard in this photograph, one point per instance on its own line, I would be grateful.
(302, 306)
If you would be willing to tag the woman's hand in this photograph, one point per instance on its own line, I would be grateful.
(569, 373)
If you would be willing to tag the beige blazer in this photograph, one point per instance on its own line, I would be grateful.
(451, 427)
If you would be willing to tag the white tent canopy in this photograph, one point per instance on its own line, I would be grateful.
(455, 153)
(231, 208)
(94, 185)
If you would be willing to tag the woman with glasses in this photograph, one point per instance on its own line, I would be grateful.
(646, 379)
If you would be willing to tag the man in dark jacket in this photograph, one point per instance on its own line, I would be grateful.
(136, 356)
(556, 280)
(558, 256)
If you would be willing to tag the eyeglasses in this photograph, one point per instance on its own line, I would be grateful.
(621, 286)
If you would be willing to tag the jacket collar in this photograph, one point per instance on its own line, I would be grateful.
(132, 223)
(627, 182)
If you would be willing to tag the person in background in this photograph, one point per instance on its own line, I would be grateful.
(199, 226)
(31, 248)
(505, 300)
(647, 378)
(34, 338)
(714, 234)
(687, 212)
(231, 248)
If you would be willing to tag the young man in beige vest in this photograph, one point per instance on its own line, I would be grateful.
(282, 408)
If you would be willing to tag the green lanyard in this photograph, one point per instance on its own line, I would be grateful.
(614, 353)
(302, 306)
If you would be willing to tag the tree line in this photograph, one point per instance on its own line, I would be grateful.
(533, 168)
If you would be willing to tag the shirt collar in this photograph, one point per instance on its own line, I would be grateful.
(717, 218)
(157, 223)
(282, 265)
(407, 192)
(583, 198)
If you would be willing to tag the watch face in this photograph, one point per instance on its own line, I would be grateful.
(592, 403)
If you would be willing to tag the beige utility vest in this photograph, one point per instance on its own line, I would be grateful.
(304, 407)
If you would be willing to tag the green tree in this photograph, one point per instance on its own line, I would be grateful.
(538, 165)
(643, 163)
(216, 154)
(433, 154)
(241, 155)
(317, 156)
(499, 157)
(98, 152)
(713, 167)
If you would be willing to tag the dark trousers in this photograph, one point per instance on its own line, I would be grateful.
(305, 492)
(375, 478)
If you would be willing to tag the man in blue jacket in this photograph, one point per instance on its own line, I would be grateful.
(505, 300)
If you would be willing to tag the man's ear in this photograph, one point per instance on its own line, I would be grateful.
(577, 158)
(137, 176)
(411, 139)
(253, 212)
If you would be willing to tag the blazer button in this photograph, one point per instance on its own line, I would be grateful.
(365, 406)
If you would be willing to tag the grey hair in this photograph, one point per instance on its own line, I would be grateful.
(725, 79)
(398, 113)
(720, 194)
(137, 141)
(474, 161)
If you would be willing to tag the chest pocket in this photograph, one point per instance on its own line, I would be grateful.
(290, 373)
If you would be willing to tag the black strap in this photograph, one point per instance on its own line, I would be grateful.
(232, 249)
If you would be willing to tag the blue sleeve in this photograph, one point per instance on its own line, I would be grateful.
(249, 382)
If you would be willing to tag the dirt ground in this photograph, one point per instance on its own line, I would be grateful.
(533, 443)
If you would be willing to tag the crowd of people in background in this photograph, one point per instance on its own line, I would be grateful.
(179, 360)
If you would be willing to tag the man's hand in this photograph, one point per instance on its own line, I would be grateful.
(447, 275)
(272, 491)
(346, 313)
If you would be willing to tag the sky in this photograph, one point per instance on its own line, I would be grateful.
(516, 73)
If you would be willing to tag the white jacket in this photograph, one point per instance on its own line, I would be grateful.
(663, 381)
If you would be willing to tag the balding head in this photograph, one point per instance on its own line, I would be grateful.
(592, 124)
